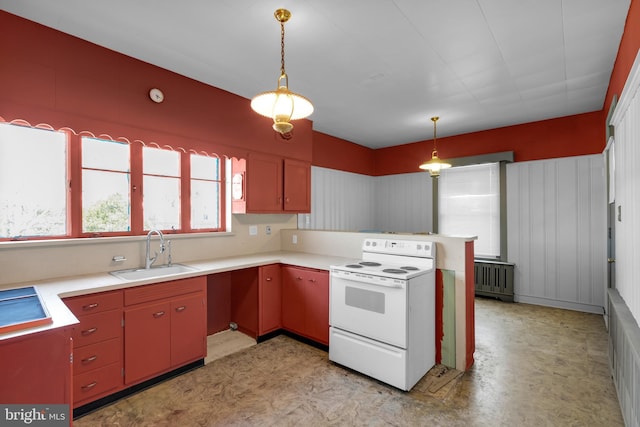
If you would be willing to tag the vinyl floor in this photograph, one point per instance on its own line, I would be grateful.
(534, 366)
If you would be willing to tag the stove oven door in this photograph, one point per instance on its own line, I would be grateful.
(371, 306)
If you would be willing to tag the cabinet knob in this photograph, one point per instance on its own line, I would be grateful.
(312, 280)
(90, 306)
(158, 314)
(88, 331)
(286, 200)
(181, 308)
(268, 279)
(298, 278)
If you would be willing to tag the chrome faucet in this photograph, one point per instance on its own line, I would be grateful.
(148, 262)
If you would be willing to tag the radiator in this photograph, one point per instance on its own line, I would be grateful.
(494, 279)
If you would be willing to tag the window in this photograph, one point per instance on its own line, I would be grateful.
(205, 192)
(33, 182)
(469, 205)
(161, 189)
(106, 198)
(62, 184)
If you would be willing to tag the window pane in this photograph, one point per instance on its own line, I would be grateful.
(203, 167)
(108, 155)
(161, 203)
(33, 182)
(105, 201)
(469, 205)
(156, 161)
(204, 204)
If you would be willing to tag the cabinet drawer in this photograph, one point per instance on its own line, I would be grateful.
(159, 291)
(95, 303)
(96, 382)
(95, 356)
(97, 327)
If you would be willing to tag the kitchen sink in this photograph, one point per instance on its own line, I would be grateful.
(148, 273)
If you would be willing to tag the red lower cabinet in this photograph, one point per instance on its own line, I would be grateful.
(97, 346)
(165, 327)
(36, 369)
(269, 299)
(147, 341)
(305, 302)
(188, 330)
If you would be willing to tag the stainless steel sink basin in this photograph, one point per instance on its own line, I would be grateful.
(148, 273)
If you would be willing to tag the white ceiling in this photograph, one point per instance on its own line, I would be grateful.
(375, 70)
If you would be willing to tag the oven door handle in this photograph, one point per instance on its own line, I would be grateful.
(365, 281)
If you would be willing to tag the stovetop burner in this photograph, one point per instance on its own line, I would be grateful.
(410, 268)
(370, 264)
(394, 271)
(353, 266)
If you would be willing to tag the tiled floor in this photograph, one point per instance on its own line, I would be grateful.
(535, 366)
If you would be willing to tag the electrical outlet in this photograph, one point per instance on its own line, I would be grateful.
(294, 239)
(268, 229)
(253, 230)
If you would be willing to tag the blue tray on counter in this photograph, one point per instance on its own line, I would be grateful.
(21, 308)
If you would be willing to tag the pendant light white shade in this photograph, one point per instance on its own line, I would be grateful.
(282, 105)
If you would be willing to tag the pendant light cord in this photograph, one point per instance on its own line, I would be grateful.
(282, 72)
(434, 120)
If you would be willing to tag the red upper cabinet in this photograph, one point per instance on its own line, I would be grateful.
(271, 184)
(297, 186)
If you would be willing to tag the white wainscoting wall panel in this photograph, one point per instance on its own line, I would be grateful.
(556, 225)
(403, 203)
(626, 122)
(340, 200)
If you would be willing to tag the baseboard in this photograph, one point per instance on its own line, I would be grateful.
(567, 305)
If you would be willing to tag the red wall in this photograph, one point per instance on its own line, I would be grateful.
(562, 137)
(629, 46)
(50, 77)
(335, 153)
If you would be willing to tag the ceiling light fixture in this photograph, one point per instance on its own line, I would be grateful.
(282, 105)
(435, 164)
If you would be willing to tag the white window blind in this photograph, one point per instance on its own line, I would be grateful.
(469, 205)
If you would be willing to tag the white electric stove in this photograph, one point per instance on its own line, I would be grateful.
(382, 311)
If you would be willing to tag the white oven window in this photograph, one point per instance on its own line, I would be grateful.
(365, 299)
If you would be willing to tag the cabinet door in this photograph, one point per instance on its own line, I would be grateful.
(297, 186)
(188, 330)
(36, 369)
(317, 306)
(264, 183)
(293, 299)
(147, 342)
(270, 299)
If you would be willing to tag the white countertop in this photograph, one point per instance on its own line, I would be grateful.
(51, 291)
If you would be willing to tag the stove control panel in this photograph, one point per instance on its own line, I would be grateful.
(415, 248)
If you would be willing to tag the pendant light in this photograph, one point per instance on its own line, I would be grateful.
(282, 105)
(435, 164)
